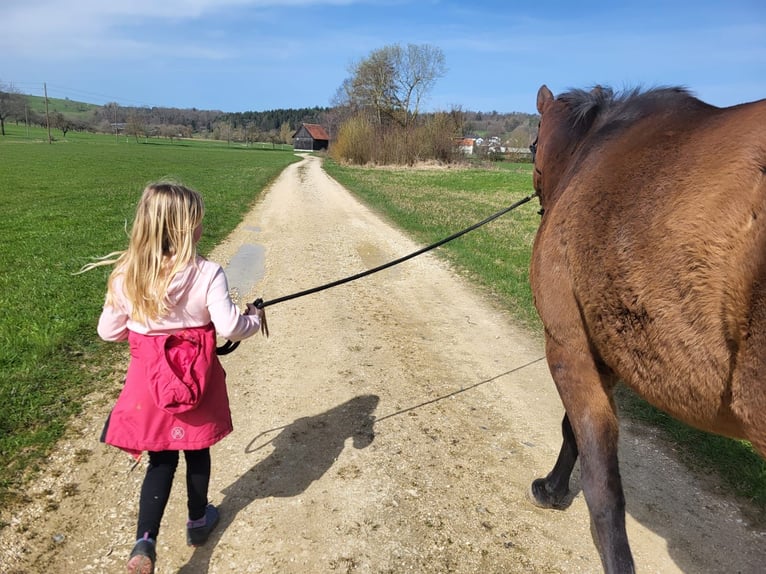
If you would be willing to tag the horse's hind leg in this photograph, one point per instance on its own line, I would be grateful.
(587, 397)
(552, 491)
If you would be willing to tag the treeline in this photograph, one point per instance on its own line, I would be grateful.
(275, 126)
(364, 126)
(275, 119)
(197, 120)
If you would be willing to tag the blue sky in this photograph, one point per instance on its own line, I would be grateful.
(239, 55)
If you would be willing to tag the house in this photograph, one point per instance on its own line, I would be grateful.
(466, 145)
(520, 152)
(310, 137)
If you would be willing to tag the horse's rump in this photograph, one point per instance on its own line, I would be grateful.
(661, 224)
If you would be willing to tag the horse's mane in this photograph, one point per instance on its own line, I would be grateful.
(601, 104)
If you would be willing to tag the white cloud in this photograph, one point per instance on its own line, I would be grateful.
(102, 29)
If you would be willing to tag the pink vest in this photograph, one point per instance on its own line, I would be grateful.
(174, 397)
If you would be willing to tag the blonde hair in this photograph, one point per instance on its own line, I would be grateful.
(161, 244)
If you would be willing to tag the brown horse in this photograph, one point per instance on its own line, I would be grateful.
(649, 267)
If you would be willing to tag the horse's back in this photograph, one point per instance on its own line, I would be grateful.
(665, 234)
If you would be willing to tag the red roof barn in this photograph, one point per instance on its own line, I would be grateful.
(310, 137)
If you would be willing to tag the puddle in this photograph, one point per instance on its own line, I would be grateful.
(372, 256)
(246, 268)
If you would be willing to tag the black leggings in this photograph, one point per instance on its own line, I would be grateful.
(159, 480)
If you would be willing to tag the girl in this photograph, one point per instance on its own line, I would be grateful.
(168, 303)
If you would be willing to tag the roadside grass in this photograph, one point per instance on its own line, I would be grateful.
(62, 205)
(433, 204)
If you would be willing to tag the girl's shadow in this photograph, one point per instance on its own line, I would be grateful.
(303, 451)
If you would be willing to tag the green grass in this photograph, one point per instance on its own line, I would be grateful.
(69, 108)
(61, 205)
(431, 205)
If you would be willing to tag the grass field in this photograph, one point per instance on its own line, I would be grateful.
(64, 203)
(71, 109)
(432, 204)
(61, 205)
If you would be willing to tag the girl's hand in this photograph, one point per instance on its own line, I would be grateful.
(260, 312)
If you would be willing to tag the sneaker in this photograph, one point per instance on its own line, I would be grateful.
(143, 556)
(198, 531)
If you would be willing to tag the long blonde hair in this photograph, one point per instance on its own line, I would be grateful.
(161, 244)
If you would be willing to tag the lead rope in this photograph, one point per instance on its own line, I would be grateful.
(229, 346)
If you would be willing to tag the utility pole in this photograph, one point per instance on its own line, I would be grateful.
(47, 117)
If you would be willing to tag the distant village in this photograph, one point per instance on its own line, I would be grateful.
(489, 147)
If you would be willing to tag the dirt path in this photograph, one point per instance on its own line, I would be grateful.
(389, 425)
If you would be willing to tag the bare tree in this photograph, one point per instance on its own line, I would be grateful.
(223, 131)
(11, 104)
(393, 81)
(171, 131)
(373, 84)
(252, 134)
(110, 114)
(135, 126)
(285, 133)
(60, 121)
(418, 69)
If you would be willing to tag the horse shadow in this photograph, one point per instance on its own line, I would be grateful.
(302, 453)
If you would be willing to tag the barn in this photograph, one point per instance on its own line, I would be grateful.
(310, 137)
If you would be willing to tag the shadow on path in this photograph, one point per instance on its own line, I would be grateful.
(303, 451)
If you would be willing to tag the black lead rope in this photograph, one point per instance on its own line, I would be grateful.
(229, 346)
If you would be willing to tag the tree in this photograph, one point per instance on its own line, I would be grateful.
(285, 133)
(135, 126)
(223, 131)
(252, 133)
(393, 81)
(419, 67)
(170, 131)
(110, 114)
(60, 121)
(11, 104)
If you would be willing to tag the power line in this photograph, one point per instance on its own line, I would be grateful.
(106, 97)
(65, 92)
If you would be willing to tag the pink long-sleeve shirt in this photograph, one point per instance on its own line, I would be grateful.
(198, 295)
(171, 358)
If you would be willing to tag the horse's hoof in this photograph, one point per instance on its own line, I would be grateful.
(542, 497)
